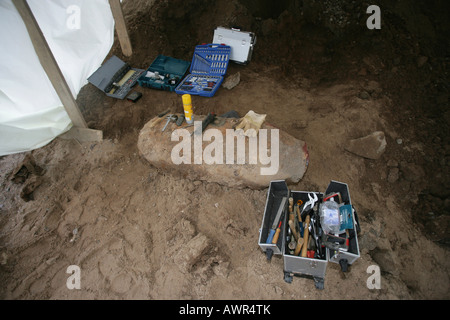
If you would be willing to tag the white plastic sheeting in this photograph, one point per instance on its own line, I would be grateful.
(80, 33)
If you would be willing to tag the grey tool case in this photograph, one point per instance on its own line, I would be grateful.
(115, 78)
(310, 266)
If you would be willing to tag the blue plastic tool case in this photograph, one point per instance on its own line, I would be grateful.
(164, 73)
(208, 68)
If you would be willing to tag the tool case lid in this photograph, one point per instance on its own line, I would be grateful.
(210, 59)
(168, 65)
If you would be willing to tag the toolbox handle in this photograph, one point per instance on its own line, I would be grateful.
(215, 45)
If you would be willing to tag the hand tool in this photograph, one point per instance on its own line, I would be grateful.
(162, 114)
(291, 212)
(180, 120)
(305, 236)
(277, 234)
(299, 246)
(170, 118)
(310, 203)
(299, 226)
(292, 245)
(293, 229)
(209, 119)
(276, 220)
(300, 222)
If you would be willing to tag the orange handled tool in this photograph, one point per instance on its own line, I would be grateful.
(277, 234)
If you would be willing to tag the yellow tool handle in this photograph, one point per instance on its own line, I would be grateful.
(275, 237)
(298, 247)
(305, 236)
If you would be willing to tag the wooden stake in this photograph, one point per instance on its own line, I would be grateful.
(49, 64)
(121, 27)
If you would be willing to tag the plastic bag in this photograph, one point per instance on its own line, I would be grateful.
(330, 217)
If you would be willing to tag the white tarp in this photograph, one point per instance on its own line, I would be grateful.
(80, 33)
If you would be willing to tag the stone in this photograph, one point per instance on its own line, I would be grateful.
(371, 146)
(421, 61)
(411, 171)
(158, 148)
(232, 81)
(364, 95)
(393, 175)
(385, 260)
(392, 163)
(190, 253)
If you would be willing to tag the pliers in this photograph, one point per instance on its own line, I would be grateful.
(310, 203)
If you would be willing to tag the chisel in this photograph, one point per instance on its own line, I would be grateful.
(276, 220)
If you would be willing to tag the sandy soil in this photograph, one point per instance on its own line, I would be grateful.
(139, 232)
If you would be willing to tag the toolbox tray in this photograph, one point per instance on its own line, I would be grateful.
(208, 67)
(173, 70)
(314, 268)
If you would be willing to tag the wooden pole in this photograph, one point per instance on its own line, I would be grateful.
(49, 64)
(121, 27)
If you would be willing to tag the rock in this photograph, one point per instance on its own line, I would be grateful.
(3, 258)
(371, 146)
(411, 171)
(421, 61)
(392, 163)
(190, 253)
(373, 88)
(362, 72)
(289, 163)
(393, 175)
(364, 95)
(232, 81)
(385, 260)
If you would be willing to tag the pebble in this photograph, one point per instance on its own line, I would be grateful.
(232, 81)
(399, 141)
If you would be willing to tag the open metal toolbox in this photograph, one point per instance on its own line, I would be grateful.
(165, 73)
(208, 68)
(313, 265)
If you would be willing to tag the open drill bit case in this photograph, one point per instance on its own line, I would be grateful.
(341, 248)
(208, 68)
(165, 73)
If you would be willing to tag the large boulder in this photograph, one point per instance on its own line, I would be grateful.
(224, 155)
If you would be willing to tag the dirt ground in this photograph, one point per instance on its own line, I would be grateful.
(320, 75)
